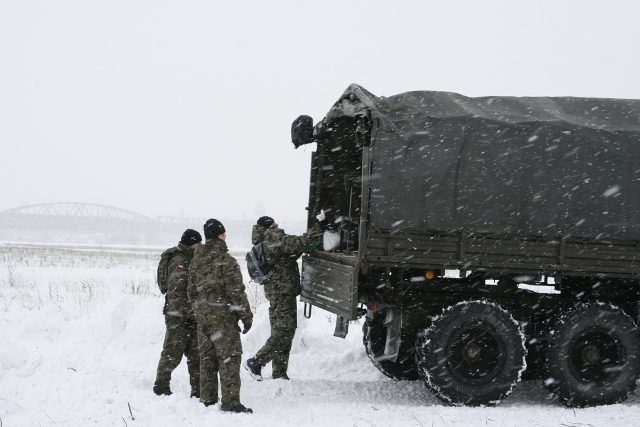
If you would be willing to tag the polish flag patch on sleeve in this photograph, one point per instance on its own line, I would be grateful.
(181, 267)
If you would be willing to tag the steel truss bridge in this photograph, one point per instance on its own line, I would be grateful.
(76, 210)
(93, 223)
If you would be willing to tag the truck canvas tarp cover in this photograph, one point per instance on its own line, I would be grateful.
(515, 165)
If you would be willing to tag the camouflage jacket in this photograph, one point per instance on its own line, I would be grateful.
(177, 302)
(216, 286)
(282, 251)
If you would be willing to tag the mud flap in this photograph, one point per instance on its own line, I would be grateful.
(342, 327)
(393, 322)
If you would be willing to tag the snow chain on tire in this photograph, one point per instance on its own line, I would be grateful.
(473, 354)
(592, 356)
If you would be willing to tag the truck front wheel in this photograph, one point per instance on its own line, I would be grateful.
(593, 356)
(374, 337)
(473, 354)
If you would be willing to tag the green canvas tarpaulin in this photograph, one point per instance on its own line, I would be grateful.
(516, 165)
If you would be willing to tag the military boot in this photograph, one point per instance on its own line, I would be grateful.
(162, 390)
(238, 409)
(210, 402)
(254, 368)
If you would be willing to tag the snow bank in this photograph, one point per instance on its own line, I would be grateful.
(69, 363)
(60, 368)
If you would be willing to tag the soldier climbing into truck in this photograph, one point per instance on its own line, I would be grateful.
(454, 212)
(282, 251)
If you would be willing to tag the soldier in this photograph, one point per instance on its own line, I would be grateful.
(216, 287)
(282, 251)
(181, 335)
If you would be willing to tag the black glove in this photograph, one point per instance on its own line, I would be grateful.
(247, 326)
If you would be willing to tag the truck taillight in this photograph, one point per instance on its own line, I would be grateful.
(430, 274)
(372, 305)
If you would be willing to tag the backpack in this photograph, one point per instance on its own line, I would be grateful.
(163, 267)
(259, 270)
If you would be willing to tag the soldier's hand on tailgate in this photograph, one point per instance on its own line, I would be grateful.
(247, 326)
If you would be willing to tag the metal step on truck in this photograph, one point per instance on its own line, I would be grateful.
(485, 240)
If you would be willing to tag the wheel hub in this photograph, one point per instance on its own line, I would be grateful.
(471, 352)
(590, 354)
(594, 355)
(476, 353)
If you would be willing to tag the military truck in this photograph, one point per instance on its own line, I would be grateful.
(484, 240)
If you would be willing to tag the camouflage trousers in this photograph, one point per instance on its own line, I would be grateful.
(220, 353)
(180, 339)
(283, 317)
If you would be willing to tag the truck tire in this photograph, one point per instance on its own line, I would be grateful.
(374, 337)
(593, 356)
(473, 354)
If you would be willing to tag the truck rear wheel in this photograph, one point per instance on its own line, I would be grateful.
(374, 337)
(592, 356)
(473, 354)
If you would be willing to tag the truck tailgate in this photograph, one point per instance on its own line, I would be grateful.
(330, 282)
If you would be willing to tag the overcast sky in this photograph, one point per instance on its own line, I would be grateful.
(165, 107)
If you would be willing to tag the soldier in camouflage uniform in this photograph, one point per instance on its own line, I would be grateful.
(216, 287)
(282, 251)
(181, 335)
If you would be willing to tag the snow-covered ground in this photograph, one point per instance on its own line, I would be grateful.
(81, 330)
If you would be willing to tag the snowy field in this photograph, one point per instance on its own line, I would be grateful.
(81, 330)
